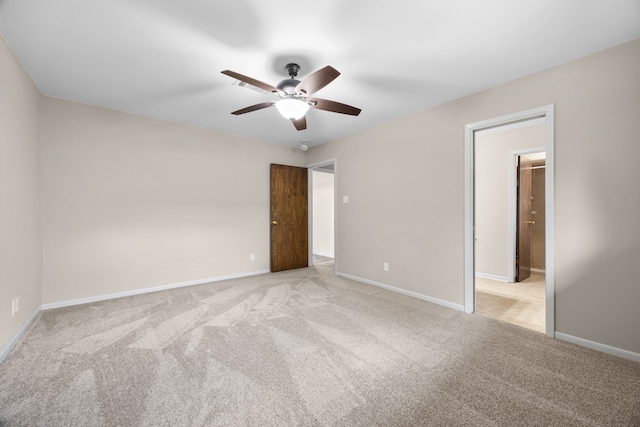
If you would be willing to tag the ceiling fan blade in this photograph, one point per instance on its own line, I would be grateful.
(253, 108)
(251, 81)
(301, 123)
(333, 106)
(316, 81)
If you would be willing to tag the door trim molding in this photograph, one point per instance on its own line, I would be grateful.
(548, 112)
(319, 166)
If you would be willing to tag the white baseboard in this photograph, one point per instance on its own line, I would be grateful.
(538, 271)
(403, 291)
(559, 335)
(79, 301)
(492, 277)
(6, 349)
(598, 346)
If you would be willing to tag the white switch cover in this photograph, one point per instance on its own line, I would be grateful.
(15, 305)
(385, 266)
(345, 199)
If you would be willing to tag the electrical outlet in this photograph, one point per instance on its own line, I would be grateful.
(15, 305)
(385, 266)
(252, 257)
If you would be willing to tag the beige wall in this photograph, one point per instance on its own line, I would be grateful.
(405, 182)
(402, 209)
(323, 212)
(20, 255)
(492, 158)
(130, 202)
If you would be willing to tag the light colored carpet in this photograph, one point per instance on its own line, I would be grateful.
(520, 303)
(302, 348)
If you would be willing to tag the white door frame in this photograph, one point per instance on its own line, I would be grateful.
(311, 167)
(548, 112)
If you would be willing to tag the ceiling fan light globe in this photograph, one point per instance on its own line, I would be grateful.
(292, 109)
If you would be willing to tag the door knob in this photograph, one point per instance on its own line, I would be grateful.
(531, 222)
(274, 222)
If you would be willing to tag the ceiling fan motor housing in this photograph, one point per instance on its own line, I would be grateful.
(288, 85)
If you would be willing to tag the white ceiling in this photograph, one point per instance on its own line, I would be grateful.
(162, 58)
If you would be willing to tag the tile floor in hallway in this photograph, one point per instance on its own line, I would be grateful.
(521, 304)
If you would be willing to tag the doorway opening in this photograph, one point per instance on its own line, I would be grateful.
(508, 201)
(494, 226)
(527, 220)
(322, 213)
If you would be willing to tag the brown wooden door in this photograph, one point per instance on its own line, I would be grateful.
(523, 235)
(289, 218)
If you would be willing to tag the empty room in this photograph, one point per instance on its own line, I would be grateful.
(333, 213)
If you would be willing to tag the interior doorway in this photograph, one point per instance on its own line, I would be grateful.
(509, 211)
(480, 237)
(322, 213)
(529, 203)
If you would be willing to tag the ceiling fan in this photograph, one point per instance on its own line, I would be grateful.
(295, 95)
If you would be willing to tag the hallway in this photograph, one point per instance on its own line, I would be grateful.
(520, 304)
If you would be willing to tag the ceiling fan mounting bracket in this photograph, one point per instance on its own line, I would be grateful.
(292, 69)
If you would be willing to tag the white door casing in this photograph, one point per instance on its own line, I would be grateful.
(548, 113)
